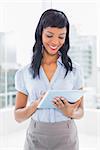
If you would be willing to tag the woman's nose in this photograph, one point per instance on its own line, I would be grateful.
(55, 42)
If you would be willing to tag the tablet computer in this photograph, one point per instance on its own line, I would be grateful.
(72, 96)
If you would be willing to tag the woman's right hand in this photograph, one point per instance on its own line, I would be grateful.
(36, 102)
(22, 111)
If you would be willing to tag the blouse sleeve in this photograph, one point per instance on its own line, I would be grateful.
(20, 82)
(79, 80)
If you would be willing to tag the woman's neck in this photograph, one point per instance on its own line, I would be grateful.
(49, 59)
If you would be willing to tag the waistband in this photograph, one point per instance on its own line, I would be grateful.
(57, 128)
(44, 127)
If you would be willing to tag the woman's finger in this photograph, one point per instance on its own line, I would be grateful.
(65, 101)
(77, 103)
(58, 102)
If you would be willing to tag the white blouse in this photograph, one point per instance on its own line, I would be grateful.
(33, 88)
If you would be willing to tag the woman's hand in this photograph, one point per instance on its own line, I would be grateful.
(68, 109)
(22, 111)
(36, 102)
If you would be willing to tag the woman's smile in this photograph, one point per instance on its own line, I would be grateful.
(54, 48)
(53, 39)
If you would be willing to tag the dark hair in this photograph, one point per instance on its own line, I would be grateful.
(50, 18)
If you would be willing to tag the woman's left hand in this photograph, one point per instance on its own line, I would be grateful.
(68, 109)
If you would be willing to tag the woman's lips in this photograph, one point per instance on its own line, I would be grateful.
(53, 48)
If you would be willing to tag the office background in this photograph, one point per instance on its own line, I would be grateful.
(18, 20)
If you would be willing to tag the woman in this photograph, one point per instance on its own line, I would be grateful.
(51, 69)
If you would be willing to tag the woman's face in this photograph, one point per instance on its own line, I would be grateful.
(53, 39)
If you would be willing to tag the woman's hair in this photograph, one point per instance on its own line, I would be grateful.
(50, 18)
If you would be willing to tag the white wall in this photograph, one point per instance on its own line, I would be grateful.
(8, 124)
(21, 18)
(90, 123)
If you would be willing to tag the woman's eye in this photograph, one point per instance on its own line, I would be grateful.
(61, 37)
(49, 36)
